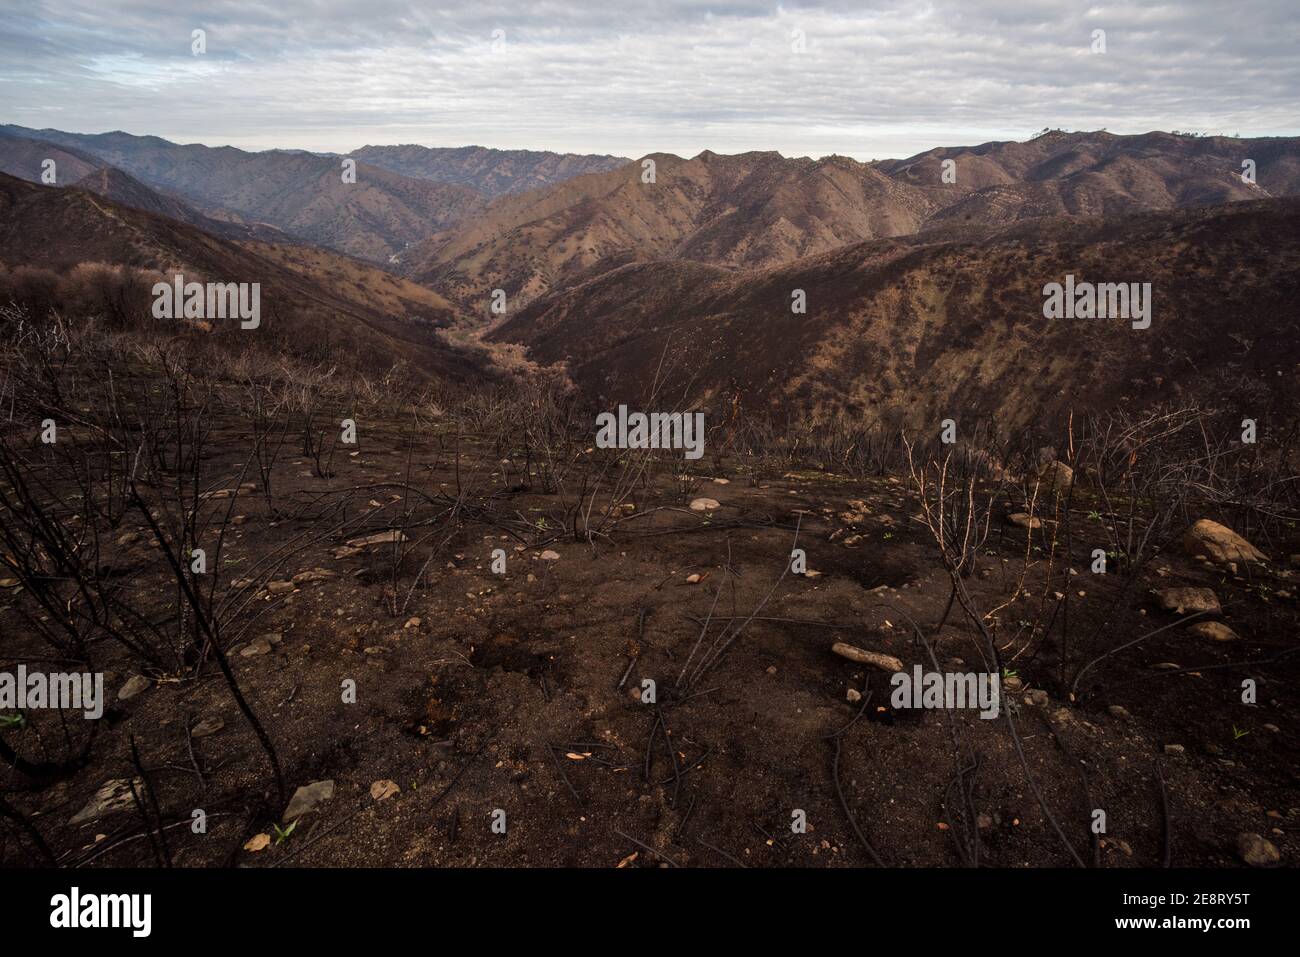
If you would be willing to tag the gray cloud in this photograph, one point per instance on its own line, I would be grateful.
(872, 79)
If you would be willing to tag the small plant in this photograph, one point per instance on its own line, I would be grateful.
(8, 721)
(282, 833)
(1238, 733)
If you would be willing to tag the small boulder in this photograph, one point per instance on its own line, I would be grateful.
(256, 647)
(136, 684)
(379, 538)
(113, 795)
(1220, 544)
(207, 726)
(1024, 520)
(1214, 630)
(704, 504)
(1189, 601)
(314, 575)
(1058, 475)
(308, 798)
(1257, 851)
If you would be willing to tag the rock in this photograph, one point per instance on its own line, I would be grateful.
(864, 657)
(704, 504)
(390, 537)
(1058, 475)
(550, 556)
(256, 647)
(136, 684)
(383, 789)
(280, 588)
(1124, 847)
(258, 842)
(1214, 630)
(1188, 601)
(1024, 520)
(1256, 851)
(113, 795)
(1174, 749)
(308, 798)
(721, 481)
(314, 575)
(853, 695)
(1220, 544)
(1037, 696)
(1120, 712)
(412, 623)
(207, 726)
(692, 579)
(1012, 683)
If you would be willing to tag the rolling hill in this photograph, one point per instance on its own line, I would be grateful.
(314, 302)
(491, 172)
(303, 194)
(762, 209)
(920, 328)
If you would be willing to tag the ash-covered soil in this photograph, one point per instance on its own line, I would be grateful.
(522, 692)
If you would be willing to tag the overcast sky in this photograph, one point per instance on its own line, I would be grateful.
(865, 79)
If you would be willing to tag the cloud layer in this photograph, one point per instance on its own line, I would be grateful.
(862, 79)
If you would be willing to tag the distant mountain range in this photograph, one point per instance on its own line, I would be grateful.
(311, 298)
(491, 172)
(401, 194)
(920, 328)
(762, 209)
(923, 277)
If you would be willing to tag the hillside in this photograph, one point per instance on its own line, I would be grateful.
(753, 209)
(489, 171)
(918, 329)
(313, 302)
(374, 218)
(1099, 173)
(762, 209)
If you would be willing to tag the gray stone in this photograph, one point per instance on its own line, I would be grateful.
(308, 798)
